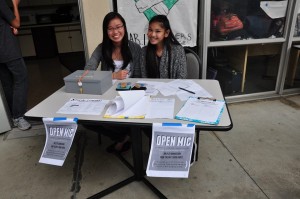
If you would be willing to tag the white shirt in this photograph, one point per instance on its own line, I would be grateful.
(119, 64)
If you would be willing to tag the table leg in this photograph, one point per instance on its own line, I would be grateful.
(113, 188)
(138, 169)
(137, 152)
(79, 157)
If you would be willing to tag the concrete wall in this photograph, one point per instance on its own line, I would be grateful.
(92, 13)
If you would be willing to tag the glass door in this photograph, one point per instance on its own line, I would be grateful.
(244, 42)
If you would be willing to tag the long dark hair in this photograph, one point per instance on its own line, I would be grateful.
(152, 66)
(108, 46)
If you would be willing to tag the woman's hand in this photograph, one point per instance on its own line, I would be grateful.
(121, 74)
(14, 30)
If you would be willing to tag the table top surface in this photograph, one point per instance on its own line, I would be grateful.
(49, 107)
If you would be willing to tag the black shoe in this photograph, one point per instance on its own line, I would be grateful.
(111, 148)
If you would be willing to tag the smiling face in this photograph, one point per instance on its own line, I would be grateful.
(116, 31)
(157, 33)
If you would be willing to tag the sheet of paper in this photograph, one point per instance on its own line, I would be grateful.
(171, 149)
(151, 90)
(167, 90)
(83, 106)
(60, 134)
(179, 83)
(171, 88)
(153, 83)
(162, 87)
(152, 87)
(130, 104)
(274, 9)
(138, 109)
(161, 108)
(202, 111)
(116, 105)
(194, 87)
(131, 97)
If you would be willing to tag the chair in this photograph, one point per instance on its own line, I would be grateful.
(194, 71)
(194, 64)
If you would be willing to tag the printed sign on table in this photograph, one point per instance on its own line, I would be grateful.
(171, 150)
(60, 133)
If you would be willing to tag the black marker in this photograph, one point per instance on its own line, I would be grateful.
(187, 90)
(213, 99)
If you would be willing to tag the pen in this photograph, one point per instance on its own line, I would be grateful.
(213, 99)
(187, 90)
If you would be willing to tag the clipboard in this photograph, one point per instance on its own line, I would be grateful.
(201, 110)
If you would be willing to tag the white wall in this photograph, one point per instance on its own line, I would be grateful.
(92, 13)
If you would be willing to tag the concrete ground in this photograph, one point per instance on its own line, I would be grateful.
(258, 159)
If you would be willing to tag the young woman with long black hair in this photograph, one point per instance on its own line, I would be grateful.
(123, 57)
(163, 57)
(116, 53)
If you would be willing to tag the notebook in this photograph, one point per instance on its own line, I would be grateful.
(129, 104)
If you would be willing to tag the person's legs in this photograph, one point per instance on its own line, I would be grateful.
(16, 91)
(120, 146)
(109, 131)
(120, 136)
(7, 85)
(20, 87)
(117, 134)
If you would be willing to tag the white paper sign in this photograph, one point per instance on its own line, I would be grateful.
(83, 106)
(274, 9)
(181, 14)
(60, 133)
(171, 150)
(161, 108)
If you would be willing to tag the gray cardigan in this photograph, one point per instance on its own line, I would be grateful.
(178, 63)
(135, 63)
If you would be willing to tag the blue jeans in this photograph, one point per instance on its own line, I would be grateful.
(14, 78)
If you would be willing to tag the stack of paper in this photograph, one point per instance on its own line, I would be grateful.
(83, 106)
(130, 104)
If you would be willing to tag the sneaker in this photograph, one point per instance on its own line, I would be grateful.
(21, 123)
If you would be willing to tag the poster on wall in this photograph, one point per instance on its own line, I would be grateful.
(182, 15)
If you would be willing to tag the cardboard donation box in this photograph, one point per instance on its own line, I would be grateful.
(88, 82)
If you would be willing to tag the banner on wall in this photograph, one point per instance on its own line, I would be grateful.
(182, 15)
